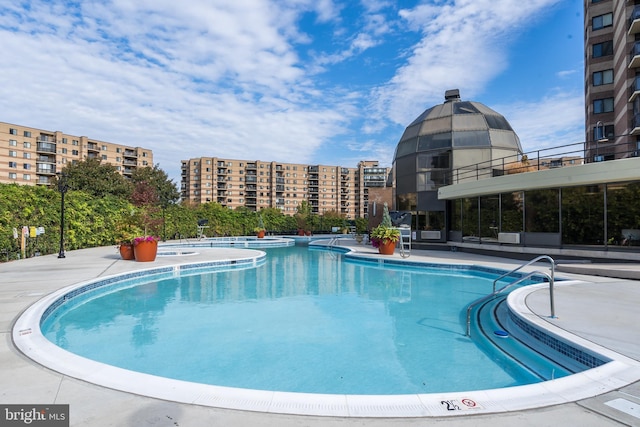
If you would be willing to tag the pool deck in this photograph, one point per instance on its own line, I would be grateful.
(603, 310)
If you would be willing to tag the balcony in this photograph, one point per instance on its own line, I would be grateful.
(92, 146)
(44, 180)
(45, 169)
(46, 147)
(634, 57)
(46, 159)
(130, 153)
(635, 125)
(634, 21)
(634, 89)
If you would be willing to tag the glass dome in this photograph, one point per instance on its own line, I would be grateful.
(457, 124)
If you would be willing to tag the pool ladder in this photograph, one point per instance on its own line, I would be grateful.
(550, 278)
(405, 242)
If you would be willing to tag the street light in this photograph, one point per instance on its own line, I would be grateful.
(62, 188)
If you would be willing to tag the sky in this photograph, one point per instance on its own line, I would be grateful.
(327, 82)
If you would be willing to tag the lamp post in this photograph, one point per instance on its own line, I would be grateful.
(62, 188)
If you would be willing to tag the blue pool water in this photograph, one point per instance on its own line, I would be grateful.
(304, 321)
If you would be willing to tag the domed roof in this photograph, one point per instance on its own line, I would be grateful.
(457, 124)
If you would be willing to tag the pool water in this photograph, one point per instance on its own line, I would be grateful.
(304, 321)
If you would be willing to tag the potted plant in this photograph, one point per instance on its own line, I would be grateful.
(361, 228)
(126, 230)
(145, 248)
(260, 230)
(385, 236)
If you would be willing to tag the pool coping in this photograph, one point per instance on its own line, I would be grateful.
(619, 372)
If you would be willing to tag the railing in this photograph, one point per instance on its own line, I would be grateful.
(548, 158)
(495, 292)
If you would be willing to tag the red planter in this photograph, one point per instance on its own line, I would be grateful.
(146, 251)
(126, 252)
(260, 234)
(387, 247)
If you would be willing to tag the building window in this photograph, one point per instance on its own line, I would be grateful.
(26, 144)
(26, 177)
(75, 152)
(602, 49)
(26, 166)
(603, 77)
(26, 155)
(600, 132)
(13, 143)
(602, 21)
(63, 151)
(13, 153)
(64, 140)
(74, 142)
(13, 131)
(27, 134)
(104, 157)
(13, 164)
(602, 105)
(13, 175)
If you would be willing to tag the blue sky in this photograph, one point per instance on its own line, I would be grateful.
(305, 81)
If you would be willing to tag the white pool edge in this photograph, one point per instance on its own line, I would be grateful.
(618, 373)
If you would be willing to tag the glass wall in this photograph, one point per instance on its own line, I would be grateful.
(593, 215)
(512, 212)
(542, 210)
(489, 217)
(583, 215)
(623, 214)
(470, 219)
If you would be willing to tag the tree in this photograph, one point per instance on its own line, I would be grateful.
(96, 179)
(165, 189)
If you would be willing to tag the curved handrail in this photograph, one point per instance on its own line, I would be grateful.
(547, 257)
(521, 279)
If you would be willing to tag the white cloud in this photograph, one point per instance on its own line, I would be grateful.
(555, 120)
(247, 79)
(463, 46)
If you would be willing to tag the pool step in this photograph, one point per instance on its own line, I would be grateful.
(489, 320)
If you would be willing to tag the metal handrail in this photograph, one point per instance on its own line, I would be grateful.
(496, 293)
(547, 257)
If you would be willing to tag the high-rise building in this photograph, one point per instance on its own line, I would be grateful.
(258, 184)
(33, 156)
(612, 78)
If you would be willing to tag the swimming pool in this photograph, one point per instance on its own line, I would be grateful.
(28, 339)
(303, 321)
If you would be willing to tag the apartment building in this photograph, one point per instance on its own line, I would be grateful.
(259, 184)
(32, 156)
(612, 78)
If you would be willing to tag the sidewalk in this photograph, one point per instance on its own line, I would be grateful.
(602, 311)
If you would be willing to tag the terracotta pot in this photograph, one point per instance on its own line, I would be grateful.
(300, 232)
(260, 234)
(146, 251)
(126, 252)
(307, 233)
(387, 247)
